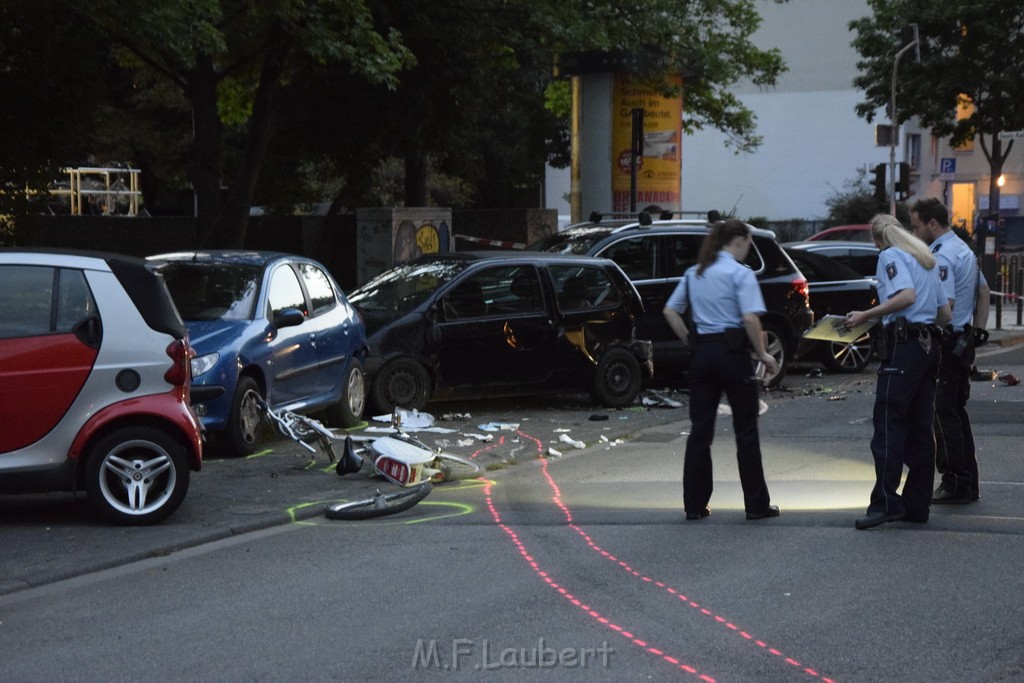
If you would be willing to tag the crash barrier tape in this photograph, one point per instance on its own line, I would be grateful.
(501, 244)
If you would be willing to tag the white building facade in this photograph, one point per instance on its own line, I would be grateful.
(813, 141)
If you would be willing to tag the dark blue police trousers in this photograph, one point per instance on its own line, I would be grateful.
(904, 409)
(714, 370)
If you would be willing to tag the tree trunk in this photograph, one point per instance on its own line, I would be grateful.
(206, 150)
(415, 179)
(261, 125)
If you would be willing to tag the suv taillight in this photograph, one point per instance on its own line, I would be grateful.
(801, 289)
(179, 352)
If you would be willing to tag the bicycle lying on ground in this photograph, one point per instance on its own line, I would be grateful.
(400, 458)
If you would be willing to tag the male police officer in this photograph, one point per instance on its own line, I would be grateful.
(968, 295)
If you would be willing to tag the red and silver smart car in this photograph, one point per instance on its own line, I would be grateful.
(94, 383)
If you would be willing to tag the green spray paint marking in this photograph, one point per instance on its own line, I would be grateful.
(460, 508)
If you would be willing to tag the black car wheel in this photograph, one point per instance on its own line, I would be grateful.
(401, 383)
(848, 357)
(617, 378)
(137, 475)
(348, 412)
(246, 419)
(778, 349)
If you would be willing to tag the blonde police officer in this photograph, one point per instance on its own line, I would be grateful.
(912, 307)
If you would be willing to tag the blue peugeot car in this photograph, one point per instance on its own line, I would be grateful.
(268, 324)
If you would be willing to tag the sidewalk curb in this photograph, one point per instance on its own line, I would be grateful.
(266, 521)
(1012, 340)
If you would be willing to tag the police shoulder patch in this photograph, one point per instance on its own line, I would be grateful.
(890, 270)
(943, 273)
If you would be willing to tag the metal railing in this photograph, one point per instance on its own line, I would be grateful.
(1009, 286)
(101, 191)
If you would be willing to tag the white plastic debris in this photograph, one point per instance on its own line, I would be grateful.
(552, 452)
(653, 398)
(479, 437)
(726, 409)
(499, 427)
(565, 438)
(410, 420)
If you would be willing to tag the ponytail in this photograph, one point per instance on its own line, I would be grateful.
(721, 234)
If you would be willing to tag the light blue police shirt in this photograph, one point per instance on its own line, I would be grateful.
(897, 270)
(720, 296)
(958, 273)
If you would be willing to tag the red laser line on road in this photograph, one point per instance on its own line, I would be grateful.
(594, 614)
(557, 500)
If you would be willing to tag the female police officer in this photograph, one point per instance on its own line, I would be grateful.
(912, 306)
(725, 300)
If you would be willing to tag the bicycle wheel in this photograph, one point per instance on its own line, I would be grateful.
(380, 505)
(453, 467)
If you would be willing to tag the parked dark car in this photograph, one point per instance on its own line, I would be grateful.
(477, 324)
(856, 232)
(654, 255)
(268, 324)
(94, 370)
(835, 290)
(861, 257)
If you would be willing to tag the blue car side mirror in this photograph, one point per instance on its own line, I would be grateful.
(288, 317)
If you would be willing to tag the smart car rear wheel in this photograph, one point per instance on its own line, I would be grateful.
(617, 379)
(137, 475)
(348, 412)
(401, 383)
(246, 419)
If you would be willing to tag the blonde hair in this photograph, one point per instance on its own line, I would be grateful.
(889, 232)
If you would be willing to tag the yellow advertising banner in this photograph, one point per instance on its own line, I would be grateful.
(659, 170)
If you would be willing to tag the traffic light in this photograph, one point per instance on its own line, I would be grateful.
(903, 181)
(879, 181)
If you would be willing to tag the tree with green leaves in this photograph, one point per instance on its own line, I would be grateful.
(52, 85)
(972, 52)
(230, 58)
(458, 84)
(480, 104)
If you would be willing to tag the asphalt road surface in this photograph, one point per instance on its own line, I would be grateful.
(571, 567)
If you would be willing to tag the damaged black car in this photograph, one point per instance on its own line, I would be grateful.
(485, 324)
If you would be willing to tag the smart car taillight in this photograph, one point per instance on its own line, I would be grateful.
(178, 351)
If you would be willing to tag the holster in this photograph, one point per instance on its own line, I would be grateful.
(880, 342)
(959, 344)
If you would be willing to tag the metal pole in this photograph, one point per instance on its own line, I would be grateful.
(575, 193)
(894, 131)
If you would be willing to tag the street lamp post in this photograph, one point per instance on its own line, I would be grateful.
(893, 129)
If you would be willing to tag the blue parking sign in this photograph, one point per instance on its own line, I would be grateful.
(947, 165)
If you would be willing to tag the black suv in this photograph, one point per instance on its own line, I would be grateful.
(655, 253)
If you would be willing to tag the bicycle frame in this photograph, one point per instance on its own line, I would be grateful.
(401, 459)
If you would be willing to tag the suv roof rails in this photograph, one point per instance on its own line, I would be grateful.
(713, 216)
(598, 216)
(642, 217)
